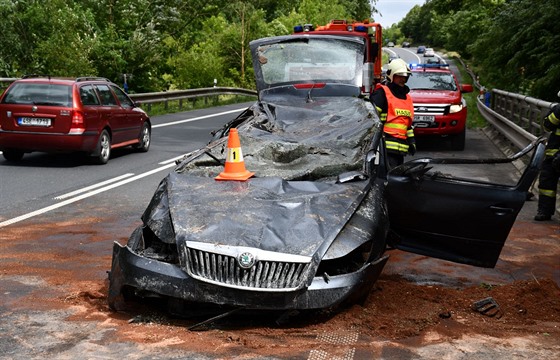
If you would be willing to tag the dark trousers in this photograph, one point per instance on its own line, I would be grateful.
(548, 182)
(394, 159)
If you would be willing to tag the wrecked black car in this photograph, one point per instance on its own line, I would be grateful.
(310, 228)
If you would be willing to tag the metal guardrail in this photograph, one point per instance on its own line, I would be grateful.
(180, 95)
(518, 136)
(523, 111)
(517, 117)
(4, 82)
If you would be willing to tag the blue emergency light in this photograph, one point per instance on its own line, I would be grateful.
(361, 28)
(303, 28)
(425, 66)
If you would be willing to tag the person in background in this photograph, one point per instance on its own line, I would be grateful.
(395, 108)
(550, 170)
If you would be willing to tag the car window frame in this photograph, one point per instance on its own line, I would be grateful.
(93, 93)
(123, 98)
(102, 96)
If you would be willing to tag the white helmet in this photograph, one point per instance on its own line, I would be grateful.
(397, 67)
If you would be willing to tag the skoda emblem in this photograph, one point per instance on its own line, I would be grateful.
(246, 260)
(34, 108)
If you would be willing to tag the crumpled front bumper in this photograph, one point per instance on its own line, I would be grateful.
(130, 269)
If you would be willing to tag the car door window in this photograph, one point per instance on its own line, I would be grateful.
(123, 98)
(88, 95)
(106, 95)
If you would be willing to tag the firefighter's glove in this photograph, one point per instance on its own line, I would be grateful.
(556, 162)
(412, 149)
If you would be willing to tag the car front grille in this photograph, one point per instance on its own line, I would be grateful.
(431, 109)
(264, 275)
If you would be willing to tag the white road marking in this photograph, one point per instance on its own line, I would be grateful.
(196, 118)
(82, 196)
(94, 186)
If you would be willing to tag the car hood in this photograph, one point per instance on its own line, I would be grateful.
(438, 97)
(294, 203)
(271, 214)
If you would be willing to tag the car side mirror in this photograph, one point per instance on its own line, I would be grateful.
(466, 88)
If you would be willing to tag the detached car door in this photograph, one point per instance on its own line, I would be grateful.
(455, 219)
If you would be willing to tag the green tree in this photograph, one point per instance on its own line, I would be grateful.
(518, 51)
(50, 37)
(413, 24)
(159, 44)
(199, 65)
(464, 26)
(393, 34)
(248, 24)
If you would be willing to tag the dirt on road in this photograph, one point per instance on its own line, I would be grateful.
(53, 305)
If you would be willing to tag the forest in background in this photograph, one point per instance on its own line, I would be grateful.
(512, 45)
(185, 44)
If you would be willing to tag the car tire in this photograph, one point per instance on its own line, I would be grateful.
(103, 150)
(145, 138)
(458, 141)
(12, 155)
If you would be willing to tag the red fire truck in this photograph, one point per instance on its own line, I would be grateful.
(369, 31)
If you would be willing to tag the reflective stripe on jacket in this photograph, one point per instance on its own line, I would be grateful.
(552, 124)
(399, 115)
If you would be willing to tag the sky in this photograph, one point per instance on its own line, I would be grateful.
(394, 10)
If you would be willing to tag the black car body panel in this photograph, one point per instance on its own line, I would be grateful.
(309, 230)
(456, 219)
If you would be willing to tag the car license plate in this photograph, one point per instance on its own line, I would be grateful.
(424, 118)
(28, 121)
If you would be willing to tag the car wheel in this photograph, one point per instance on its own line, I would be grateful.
(103, 150)
(12, 155)
(145, 138)
(458, 141)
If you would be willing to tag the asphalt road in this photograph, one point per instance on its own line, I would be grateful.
(43, 182)
(59, 217)
(410, 56)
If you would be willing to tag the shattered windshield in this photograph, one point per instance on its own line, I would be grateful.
(310, 59)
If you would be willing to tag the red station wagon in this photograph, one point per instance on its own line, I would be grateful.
(90, 115)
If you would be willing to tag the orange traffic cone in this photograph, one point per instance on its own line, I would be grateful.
(235, 166)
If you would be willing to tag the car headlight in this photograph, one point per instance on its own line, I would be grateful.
(455, 108)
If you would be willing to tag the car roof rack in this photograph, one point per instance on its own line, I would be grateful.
(28, 76)
(89, 78)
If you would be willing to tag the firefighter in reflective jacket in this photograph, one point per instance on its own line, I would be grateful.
(550, 170)
(396, 110)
